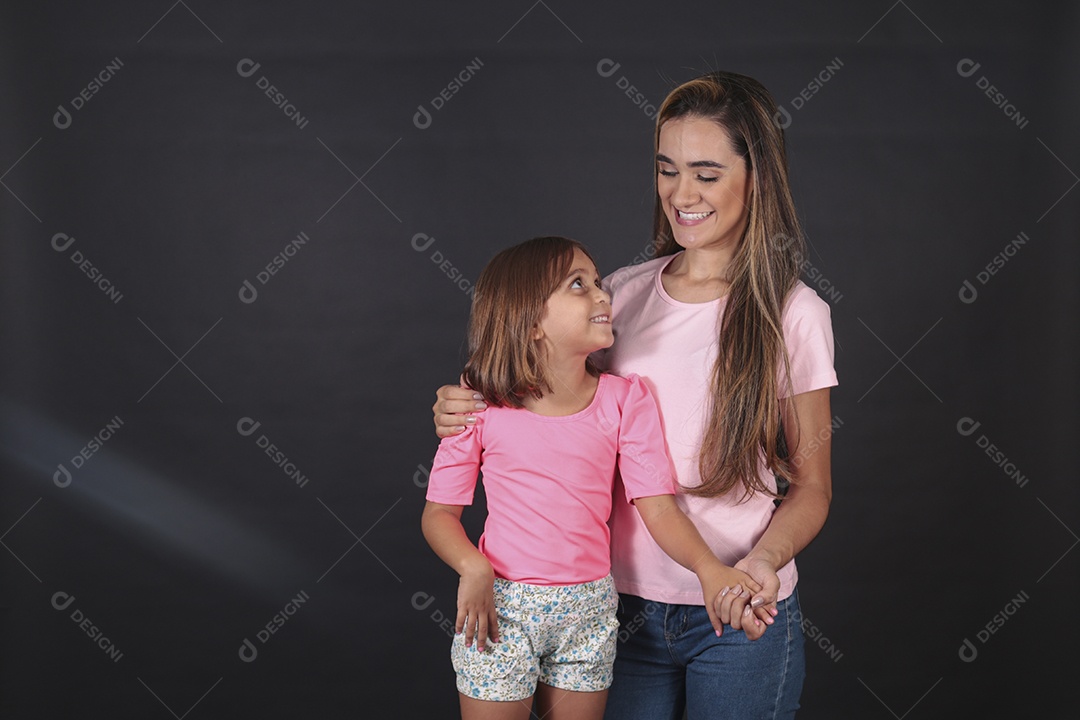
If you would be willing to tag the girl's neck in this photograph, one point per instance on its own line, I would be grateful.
(572, 389)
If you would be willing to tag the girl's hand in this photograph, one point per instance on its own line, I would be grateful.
(716, 580)
(454, 408)
(476, 606)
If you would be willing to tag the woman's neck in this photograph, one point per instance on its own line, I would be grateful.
(699, 275)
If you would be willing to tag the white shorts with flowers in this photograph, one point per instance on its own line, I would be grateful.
(560, 635)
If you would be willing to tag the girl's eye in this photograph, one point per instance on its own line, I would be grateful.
(576, 283)
(667, 173)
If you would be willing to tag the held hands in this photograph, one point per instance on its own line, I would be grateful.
(726, 585)
(476, 613)
(750, 613)
(453, 409)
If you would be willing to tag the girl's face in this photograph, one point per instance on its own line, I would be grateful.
(703, 184)
(577, 316)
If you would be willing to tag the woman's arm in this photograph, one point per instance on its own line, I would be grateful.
(476, 603)
(808, 429)
(677, 536)
(454, 408)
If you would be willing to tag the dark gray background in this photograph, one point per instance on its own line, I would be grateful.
(179, 180)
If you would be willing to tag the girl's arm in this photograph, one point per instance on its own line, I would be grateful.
(454, 408)
(476, 603)
(677, 535)
(802, 513)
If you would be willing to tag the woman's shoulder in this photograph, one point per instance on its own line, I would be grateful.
(804, 302)
(637, 272)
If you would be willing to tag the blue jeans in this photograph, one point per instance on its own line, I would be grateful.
(669, 659)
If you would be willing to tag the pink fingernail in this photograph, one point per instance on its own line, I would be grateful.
(725, 591)
(717, 633)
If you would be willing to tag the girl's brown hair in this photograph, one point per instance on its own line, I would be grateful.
(505, 362)
(744, 425)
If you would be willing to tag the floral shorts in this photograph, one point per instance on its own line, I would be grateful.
(560, 635)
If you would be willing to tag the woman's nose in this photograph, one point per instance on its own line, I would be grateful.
(685, 193)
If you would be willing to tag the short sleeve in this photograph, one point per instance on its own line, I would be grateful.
(808, 336)
(644, 464)
(456, 467)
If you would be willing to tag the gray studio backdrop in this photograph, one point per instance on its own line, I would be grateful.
(238, 245)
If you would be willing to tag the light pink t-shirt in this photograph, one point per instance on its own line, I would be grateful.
(672, 345)
(549, 480)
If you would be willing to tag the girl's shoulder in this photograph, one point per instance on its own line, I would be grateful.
(621, 387)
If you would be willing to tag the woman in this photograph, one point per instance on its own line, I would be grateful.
(739, 354)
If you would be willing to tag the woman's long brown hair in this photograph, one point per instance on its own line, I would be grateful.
(744, 425)
(505, 362)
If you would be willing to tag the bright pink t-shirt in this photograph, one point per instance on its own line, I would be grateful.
(549, 480)
(672, 345)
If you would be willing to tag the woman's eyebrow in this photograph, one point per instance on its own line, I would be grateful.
(695, 164)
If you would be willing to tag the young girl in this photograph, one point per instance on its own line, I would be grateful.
(537, 595)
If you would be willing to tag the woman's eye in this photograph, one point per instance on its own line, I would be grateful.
(707, 179)
(667, 173)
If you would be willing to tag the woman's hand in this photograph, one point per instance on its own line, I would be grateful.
(762, 605)
(454, 408)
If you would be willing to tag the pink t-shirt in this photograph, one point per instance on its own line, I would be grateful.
(549, 480)
(672, 345)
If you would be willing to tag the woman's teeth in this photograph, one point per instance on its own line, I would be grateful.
(694, 216)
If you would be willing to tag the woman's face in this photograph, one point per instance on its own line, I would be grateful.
(703, 184)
